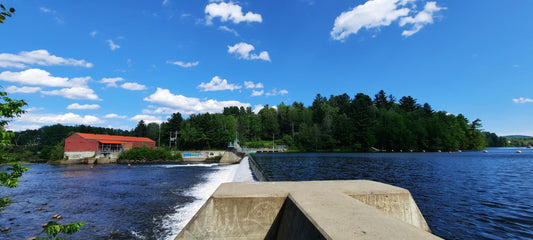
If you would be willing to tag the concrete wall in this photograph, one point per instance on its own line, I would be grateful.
(199, 156)
(355, 209)
(79, 155)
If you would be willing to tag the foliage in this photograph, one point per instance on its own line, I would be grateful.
(52, 229)
(10, 179)
(149, 154)
(5, 12)
(214, 159)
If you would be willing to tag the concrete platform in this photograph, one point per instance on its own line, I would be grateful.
(355, 209)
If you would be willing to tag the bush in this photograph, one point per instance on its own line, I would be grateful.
(214, 159)
(149, 154)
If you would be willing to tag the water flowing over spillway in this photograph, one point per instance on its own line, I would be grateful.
(202, 191)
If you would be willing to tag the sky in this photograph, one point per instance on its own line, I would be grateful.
(114, 63)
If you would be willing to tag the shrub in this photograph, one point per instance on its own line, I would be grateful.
(149, 154)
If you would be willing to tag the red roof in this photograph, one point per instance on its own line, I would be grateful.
(110, 142)
(114, 138)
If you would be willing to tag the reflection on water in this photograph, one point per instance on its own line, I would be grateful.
(469, 195)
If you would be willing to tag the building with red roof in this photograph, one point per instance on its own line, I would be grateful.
(87, 145)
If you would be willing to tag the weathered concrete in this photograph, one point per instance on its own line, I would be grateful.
(355, 209)
(199, 156)
(230, 158)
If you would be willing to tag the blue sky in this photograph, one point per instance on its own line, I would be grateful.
(113, 63)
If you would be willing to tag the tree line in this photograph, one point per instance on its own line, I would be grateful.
(337, 123)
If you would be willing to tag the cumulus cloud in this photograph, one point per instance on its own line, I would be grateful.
(229, 12)
(379, 13)
(38, 57)
(147, 119)
(112, 45)
(188, 105)
(218, 84)
(79, 93)
(77, 106)
(184, 64)
(133, 86)
(258, 108)
(250, 84)
(114, 115)
(41, 78)
(275, 92)
(256, 93)
(522, 100)
(242, 51)
(421, 19)
(14, 89)
(111, 82)
(67, 118)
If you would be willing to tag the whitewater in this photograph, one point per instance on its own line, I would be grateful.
(176, 221)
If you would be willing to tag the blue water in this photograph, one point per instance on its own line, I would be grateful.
(116, 202)
(469, 195)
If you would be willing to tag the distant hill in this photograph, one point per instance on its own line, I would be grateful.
(517, 136)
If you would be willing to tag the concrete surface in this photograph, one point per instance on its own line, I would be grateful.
(356, 209)
(230, 158)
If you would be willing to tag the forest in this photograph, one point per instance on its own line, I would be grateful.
(337, 123)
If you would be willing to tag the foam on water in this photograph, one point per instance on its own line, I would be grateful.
(176, 221)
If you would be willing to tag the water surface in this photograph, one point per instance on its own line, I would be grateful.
(468, 195)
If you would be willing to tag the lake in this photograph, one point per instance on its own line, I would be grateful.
(468, 195)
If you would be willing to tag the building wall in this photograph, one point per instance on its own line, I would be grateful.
(76, 143)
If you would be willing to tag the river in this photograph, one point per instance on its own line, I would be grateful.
(468, 195)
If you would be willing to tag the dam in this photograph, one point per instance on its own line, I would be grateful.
(349, 209)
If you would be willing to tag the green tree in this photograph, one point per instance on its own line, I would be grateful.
(140, 129)
(5, 12)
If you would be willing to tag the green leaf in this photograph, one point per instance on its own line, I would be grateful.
(12, 10)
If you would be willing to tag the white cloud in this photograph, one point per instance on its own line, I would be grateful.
(147, 119)
(522, 100)
(165, 2)
(114, 115)
(242, 51)
(80, 93)
(257, 93)
(93, 33)
(379, 13)
(188, 105)
(78, 106)
(250, 84)
(112, 45)
(229, 12)
(67, 118)
(227, 29)
(41, 78)
(111, 82)
(218, 84)
(184, 64)
(133, 86)
(422, 18)
(258, 108)
(38, 57)
(14, 89)
(275, 92)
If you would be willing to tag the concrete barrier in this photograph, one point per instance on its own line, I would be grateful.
(356, 209)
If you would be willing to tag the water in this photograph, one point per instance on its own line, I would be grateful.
(469, 195)
(116, 202)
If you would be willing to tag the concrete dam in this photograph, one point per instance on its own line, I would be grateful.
(348, 209)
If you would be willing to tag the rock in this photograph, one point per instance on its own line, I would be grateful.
(44, 204)
(40, 209)
(57, 216)
(11, 219)
(4, 229)
(32, 238)
(27, 212)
